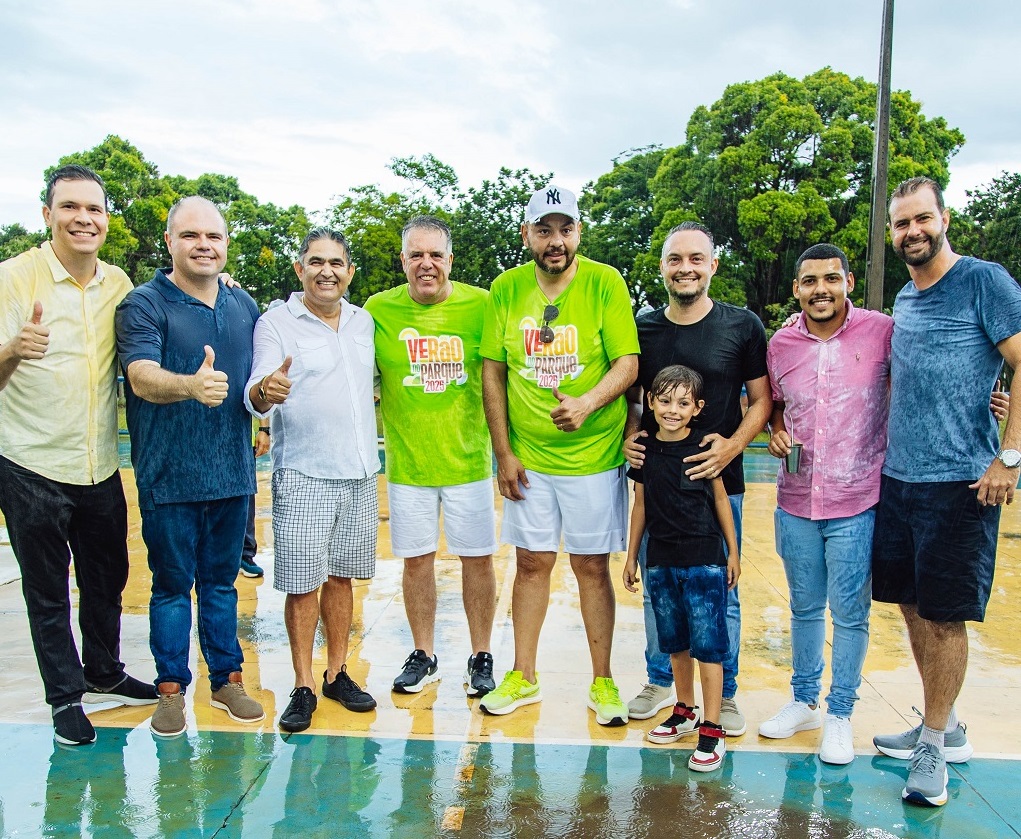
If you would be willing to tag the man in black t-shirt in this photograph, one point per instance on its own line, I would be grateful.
(727, 346)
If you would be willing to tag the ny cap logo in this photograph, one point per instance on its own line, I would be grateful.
(553, 196)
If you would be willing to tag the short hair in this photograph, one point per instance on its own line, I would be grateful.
(426, 223)
(912, 185)
(677, 375)
(823, 250)
(690, 225)
(73, 172)
(317, 233)
(177, 205)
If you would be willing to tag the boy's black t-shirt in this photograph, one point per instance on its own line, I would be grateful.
(680, 514)
(727, 348)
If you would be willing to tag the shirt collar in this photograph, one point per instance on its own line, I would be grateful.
(60, 273)
(297, 307)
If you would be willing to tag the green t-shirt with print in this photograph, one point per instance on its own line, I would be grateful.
(430, 370)
(595, 326)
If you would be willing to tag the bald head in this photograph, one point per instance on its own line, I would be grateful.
(196, 238)
(193, 201)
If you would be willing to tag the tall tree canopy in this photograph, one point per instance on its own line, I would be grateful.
(991, 224)
(779, 164)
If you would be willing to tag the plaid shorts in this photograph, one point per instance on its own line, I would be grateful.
(322, 527)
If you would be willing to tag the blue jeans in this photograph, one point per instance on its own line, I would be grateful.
(828, 560)
(657, 663)
(197, 543)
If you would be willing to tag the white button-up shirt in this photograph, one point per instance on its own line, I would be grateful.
(327, 426)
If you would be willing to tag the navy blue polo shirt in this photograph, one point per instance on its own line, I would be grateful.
(185, 451)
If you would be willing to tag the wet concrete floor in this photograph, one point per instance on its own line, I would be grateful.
(432, 764)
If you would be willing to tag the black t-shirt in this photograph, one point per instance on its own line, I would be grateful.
(680, 514)
(727, 348)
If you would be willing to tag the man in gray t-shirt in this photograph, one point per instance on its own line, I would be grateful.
(945, 475)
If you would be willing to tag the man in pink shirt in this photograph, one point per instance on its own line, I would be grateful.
(830, 377)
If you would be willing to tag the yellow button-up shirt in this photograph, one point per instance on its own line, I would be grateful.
(58, 415)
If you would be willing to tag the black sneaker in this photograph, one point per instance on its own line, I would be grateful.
(419, 670)
(297, 716)
(128, 691)
(347, 692)
(71, 727)
(478, 675)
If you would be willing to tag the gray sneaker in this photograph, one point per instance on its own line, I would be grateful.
(650, 700)
(927, 780)
(238, 704)
(731, 718)
(168, 718)
(956, 747)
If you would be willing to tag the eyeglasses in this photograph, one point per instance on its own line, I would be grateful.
(549, 314)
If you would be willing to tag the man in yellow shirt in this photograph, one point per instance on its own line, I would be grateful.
(60, 489)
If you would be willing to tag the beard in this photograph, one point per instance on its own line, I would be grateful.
(688, 295)
(925, 256)
(541, 258)
(820, 318)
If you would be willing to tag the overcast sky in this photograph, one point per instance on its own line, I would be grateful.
(303, 99)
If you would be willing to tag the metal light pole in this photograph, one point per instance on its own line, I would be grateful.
(880, 164)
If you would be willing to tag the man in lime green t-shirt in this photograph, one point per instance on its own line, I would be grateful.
(438, 453)
(560, 348)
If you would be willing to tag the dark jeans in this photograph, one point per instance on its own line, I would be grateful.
(195, 544)
(251, 547)
(49, 524)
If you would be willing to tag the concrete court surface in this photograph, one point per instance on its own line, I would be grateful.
(433, 765)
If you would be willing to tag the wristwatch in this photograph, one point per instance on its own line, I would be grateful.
(264, 429)
(1011, 458)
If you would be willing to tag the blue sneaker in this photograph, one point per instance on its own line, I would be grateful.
(250, 569)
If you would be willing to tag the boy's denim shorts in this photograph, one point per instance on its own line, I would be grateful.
(691, 609)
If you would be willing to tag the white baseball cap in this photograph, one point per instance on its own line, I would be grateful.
(551, 199)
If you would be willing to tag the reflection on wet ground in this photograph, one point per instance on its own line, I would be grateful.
(213, 783)
(431, 764)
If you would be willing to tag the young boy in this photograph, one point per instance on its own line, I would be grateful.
(689, 570)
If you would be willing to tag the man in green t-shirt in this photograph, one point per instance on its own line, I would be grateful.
(438, 453)
(560, 349)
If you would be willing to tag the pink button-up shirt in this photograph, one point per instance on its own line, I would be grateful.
(836, 396)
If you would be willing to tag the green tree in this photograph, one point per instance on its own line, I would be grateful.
(486, 226)
(15, 239)
(620, 221)
(779, 164)
(991, 226)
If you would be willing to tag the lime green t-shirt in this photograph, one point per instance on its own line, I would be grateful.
(430, 371)
(594, 327)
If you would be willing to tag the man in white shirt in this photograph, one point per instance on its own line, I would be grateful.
(312, 375)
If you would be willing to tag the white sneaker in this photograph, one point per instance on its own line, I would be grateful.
(791, 718)
(837, 741)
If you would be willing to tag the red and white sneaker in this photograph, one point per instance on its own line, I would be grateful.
(712, 746)
(683, 720)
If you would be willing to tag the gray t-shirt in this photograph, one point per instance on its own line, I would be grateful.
(944, 367)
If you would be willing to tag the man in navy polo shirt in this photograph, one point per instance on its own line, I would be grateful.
(185, 341)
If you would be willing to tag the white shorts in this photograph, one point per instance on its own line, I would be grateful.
(591, 510)
(469, 520)
(322, 527)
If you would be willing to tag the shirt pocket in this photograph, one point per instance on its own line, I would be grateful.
(364, 348)
(314, 357)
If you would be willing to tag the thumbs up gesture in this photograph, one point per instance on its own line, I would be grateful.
(33, 339)
(276, 387)
(209, 386)
(571, 411)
